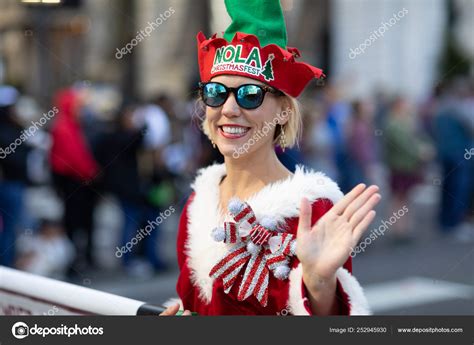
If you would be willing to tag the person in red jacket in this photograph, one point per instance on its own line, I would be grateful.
(74, 168)
(254, 238)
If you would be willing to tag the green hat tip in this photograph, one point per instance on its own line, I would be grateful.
(262, 18)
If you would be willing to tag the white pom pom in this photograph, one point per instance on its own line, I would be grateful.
(218, 234)
(253, 248)
(235, 205)
(268, 223)
(281, 272)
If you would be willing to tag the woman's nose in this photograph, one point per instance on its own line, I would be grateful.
(230, 108)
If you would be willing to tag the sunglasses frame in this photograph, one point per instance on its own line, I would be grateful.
(234, 90)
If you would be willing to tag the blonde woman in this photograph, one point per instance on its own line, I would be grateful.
(254, 238)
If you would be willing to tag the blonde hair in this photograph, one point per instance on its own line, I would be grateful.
(292, 128)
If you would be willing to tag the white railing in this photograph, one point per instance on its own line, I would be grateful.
(27, 294)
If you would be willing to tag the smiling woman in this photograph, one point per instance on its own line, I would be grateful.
(251, 96)
(254, 238)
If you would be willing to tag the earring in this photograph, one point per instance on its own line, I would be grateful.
(282, 138)
(213, 143)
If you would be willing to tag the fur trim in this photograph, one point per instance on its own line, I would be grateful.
(350, 285)
(296, 300)
(358, 301)
(278, 200)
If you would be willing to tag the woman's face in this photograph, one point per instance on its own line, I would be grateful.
(237, 131)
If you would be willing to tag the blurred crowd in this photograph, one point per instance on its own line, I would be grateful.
(400, 145)
(93, 143)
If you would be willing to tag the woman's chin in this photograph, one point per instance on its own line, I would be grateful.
(232, 151)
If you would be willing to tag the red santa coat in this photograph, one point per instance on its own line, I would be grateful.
(198, 252)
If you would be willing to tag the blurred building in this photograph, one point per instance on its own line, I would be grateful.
(395, 45)
(45, 46)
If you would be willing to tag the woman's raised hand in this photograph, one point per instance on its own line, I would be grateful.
(326, 246)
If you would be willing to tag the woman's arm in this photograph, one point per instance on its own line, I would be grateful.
(322, 294)
(324, 247)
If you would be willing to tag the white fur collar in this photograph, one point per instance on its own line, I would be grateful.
(279, 200)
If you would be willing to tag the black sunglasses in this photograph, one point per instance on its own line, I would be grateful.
(247, 96)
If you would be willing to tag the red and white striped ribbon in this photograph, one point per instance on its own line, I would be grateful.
(256, 277)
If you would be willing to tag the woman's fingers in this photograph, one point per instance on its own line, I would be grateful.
(362, 211)
(358, 202)
(172, 310)
(304, 223)
(341, 205)
(362, 226)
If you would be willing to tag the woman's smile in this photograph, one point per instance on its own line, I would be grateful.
(233, 131)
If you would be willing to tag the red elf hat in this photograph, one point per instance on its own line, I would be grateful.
(254, 46)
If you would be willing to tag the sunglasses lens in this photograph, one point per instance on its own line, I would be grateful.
(250, 96)
(214, 94)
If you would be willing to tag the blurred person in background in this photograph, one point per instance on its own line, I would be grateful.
(317, 143)
(207, 153)
(361, 142)
(468, 106)
(454, 133)
(13, 173)
(405, 151)
(174, 158)
(337, 117)
(428, 110)
(74, 170)
(47, 252)
(157, 180)
(158, 127)
(469, 115)
(118, 152)
(381, 107)
(192, 136)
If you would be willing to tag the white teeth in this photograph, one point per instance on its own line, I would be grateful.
(234, 130)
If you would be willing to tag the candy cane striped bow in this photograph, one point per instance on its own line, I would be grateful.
(259, 245)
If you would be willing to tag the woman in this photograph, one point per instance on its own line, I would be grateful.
(74, 169)
(253, 237)
(405, 154)
(362, 147)
(13, 174)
